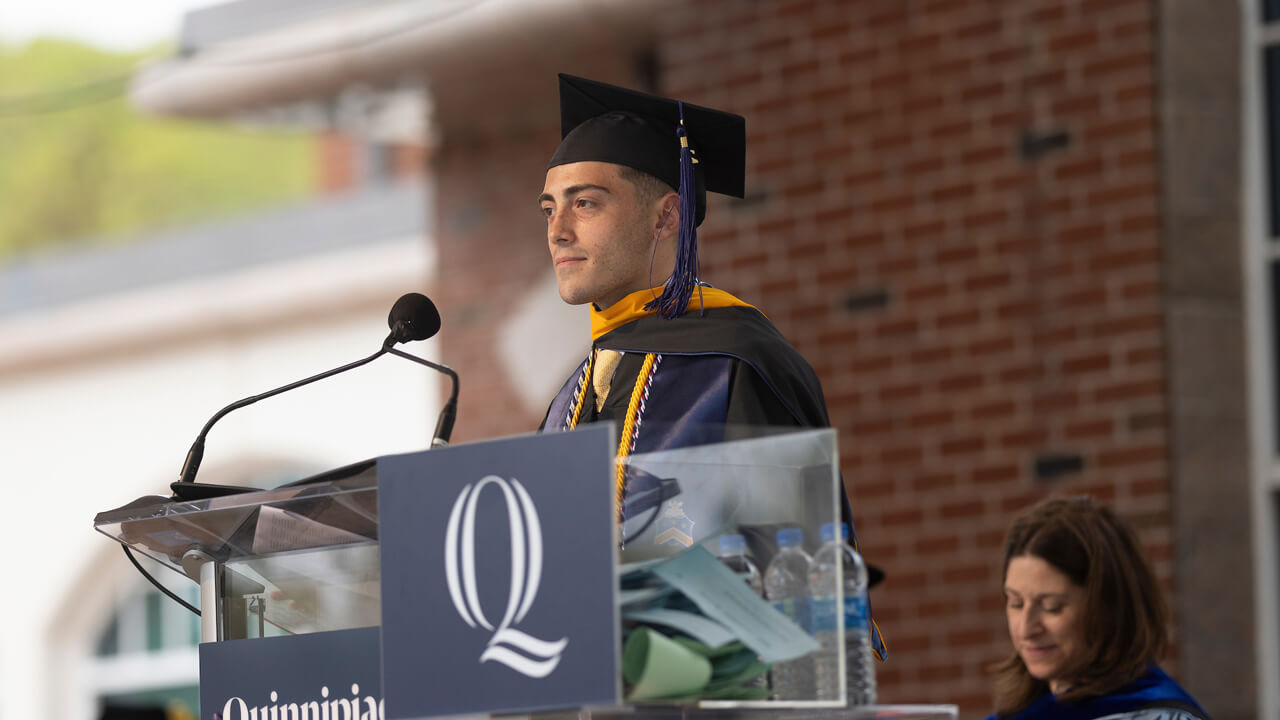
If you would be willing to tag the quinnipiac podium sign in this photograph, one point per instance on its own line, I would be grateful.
(489, 552)
(473, 579)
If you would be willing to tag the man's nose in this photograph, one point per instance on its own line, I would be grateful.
(559, 229)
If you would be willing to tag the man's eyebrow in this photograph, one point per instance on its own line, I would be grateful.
(573, 190)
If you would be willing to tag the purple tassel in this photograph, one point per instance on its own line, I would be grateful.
(674, 299)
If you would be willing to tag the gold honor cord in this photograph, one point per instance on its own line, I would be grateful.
(631, 427)
(635, 410)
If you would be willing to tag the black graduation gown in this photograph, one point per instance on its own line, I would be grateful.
(768, 382)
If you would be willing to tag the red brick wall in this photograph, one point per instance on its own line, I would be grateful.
(339, 161)
(1023, 312)
(492, 250)
(1023, 299)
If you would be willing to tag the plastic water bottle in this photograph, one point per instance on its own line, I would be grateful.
(786, 585)
(733, 553)
(860, 672)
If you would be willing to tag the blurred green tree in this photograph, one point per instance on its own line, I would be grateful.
(78, 164)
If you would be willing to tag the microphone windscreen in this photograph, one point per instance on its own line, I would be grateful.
(413, 317)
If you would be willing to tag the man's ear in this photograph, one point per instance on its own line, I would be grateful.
(668, 217)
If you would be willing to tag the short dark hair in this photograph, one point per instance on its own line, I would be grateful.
(648, 187)
(1124, 618)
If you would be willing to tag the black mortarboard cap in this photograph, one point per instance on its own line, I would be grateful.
(606, 123)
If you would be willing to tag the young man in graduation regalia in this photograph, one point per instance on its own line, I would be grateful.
(673, 361)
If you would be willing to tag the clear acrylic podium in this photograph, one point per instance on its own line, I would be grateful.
(292, 560)
(304, 558)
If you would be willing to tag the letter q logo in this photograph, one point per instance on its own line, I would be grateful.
(540, 657)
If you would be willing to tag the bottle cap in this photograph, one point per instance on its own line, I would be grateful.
(827, 532)
(732, 545)
(788, 537)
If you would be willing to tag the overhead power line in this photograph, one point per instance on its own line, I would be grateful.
(68, 98)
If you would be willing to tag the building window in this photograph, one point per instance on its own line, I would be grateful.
(1270, 10)
(147, 653)
(1262, 250)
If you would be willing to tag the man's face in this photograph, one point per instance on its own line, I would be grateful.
(600, 236)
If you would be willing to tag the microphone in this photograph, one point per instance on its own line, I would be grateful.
(412, 317)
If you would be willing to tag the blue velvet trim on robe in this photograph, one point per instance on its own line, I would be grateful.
(1147, 691)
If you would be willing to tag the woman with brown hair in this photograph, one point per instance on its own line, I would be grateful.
(1087, 621)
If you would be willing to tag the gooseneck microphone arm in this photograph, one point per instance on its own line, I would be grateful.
(196, 453)
(448, 413)
(413, 317)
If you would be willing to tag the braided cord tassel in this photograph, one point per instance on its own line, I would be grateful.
(674, 299)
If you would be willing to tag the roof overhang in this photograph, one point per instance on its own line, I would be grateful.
(483, 61)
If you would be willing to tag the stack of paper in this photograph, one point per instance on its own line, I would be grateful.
(696, 631)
